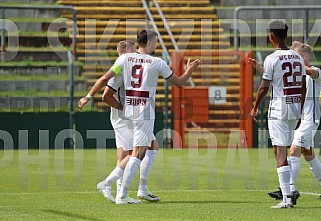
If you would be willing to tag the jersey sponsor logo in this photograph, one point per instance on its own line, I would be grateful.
(293, 99)
(136, 101)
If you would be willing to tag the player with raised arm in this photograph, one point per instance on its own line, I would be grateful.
(304, 134)
(124, 145)
(115, 92)
(122, 48)
(284, 71)
(140, 72)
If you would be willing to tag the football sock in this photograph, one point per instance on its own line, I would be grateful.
(284, 180)
(119, 181)
(295, 164)
(145, 168)
(315, 167)
(114, 175)
(129, 174)
(290, 165)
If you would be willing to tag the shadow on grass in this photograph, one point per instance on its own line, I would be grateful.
(212, 201)
(76, 216)
(304, 208)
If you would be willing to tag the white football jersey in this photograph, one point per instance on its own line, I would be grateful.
(116, 84)
(140, 74)
(311, 107)
(285, 69)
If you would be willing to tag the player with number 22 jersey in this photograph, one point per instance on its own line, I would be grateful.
(284, 68)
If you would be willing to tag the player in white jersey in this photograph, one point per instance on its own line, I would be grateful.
(124, 145)
(304, 135)
(284, 71)
(140, 73)
(123, 135)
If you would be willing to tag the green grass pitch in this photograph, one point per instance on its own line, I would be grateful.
(216, 184)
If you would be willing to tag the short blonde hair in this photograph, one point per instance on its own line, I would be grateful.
(301, 47)
(123, 46)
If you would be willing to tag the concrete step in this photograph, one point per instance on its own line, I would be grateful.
(98, 30)
(52, 85)
(37, 70)
(40, 41)
(35, 55)
(179, 23)
(36, 104)
(134, 3)
(31, 13)
(114, 3)
(31, 26)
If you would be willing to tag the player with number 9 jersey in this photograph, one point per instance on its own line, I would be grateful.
(140, 74)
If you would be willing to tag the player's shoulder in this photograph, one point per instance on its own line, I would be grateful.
(274, 55)
(133, 54)
(159, 60)
(154, 58)
(123, 55)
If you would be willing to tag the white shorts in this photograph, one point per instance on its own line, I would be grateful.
(281, 131)
(143, 132)
(303, 136)
(124, 135)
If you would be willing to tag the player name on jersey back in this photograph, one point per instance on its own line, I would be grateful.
(140, 60)
(289, 57)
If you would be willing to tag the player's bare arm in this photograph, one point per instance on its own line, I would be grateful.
(256, 64)
(99, 84)
(261, 94)
(312, 72)
(108, 97)
(180, 81)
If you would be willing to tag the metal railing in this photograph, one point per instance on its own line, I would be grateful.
(166, 55)
(25, 7)
(150, 17)
(305, 8)
(167, 59)
(71, 101)
(170, 34)
(168, 29)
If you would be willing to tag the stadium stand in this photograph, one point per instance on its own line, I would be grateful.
(34, 72)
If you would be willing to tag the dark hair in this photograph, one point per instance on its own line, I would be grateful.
(279, 29)
(144, 36)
